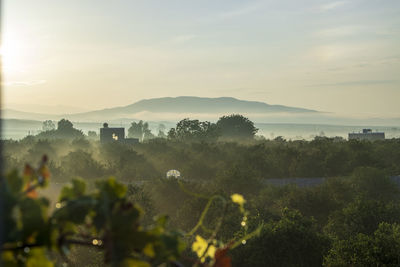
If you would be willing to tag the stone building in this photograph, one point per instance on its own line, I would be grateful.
(115, 134)
(367, 134)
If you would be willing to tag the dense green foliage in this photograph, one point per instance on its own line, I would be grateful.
(352, 219)
(193, 130)
(200, 161)
(106, 221)
(236, 127)
(228, 128)
(65, 130)
(290, 241)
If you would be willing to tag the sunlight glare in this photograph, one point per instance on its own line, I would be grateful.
(13, 55)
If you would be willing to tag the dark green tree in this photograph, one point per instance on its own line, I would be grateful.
(65, 130)
(48, 125)
(236, 126)
(81, 164)
(64, 125)
(194, 130)
(291, 241)
(382, 248)
(362, 216)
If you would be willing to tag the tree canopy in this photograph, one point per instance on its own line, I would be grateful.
(140, 130)
(194, 130)
(48, 125)
(346, 212)
(236, 126)
(65, 129)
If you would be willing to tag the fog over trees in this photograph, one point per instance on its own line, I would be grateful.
(350, 219)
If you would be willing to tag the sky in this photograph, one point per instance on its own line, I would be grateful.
(77, 55)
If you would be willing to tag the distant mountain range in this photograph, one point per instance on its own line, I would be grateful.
(271, 119)
(22, 115)
(191, 104)
(180, 105)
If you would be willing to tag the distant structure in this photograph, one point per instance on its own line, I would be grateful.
(173, 173)
(108, 135)
(367, 134)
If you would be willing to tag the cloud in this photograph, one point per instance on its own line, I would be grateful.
(351, 83)
(334, 52)
(183, 38)
(339, 31)
(370, 31)
(249, 91)
(390, 60)
(244, 10)
(24, 83)
(331, 6)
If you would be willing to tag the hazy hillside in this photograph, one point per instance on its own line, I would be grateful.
(174, 109)
(169, 105)
(203, 105)
(189, 104)
(192, 104)
(21, 115)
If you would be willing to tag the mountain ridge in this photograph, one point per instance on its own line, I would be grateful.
(165, 105)
(193, 104)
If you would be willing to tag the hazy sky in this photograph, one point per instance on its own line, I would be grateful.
(339, 56)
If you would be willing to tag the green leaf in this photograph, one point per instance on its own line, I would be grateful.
(111, 188)
(37, 258)
(148, 250)
(33, 217)
(162, 220)
(77, 189)
(7, 259)
(133, 263)
(75, 210)
(14, 182)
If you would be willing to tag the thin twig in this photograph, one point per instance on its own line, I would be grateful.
(19, 247)
(214, 234)
(204, 213)
(66, 241)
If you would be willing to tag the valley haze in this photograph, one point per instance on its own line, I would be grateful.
(169, 105)
(272, 120)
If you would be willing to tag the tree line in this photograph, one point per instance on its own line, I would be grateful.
(232, 127)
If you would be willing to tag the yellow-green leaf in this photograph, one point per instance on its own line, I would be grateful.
(148, 250)
(238, 199)
(200, 246)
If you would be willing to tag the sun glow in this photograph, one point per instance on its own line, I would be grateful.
(10, 55)
(14, 54)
